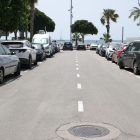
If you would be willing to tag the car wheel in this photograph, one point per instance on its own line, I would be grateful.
(17, 73)
(1, 76)
(35, 63)
(135, 68)
(45, 56)
(30, 63)
(121, 64)
(42, 57)
(107, 57)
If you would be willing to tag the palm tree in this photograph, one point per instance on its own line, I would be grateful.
(107, 38)
(32, 5)
(77, 38)
(135, 12)
(107, 15)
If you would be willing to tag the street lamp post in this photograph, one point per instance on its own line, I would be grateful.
(71, 16)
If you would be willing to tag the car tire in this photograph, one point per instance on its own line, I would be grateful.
(45, 56)
(1, 76)
(35, 63)
(107, 57)
(42, 57)
(121, 64)
(17, 73)
(30, 63)
(135, 68)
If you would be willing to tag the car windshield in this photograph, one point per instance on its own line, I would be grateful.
(115, 45)
(40, 40)
(105, 45)
(94, 44)
(37, 46)
(13, 44)
(67, 43)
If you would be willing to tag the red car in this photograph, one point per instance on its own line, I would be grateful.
(117, 52)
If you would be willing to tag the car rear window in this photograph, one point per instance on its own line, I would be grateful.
(68, 43)
(37, 46)
(13, 44)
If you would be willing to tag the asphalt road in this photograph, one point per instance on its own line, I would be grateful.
(58, 92)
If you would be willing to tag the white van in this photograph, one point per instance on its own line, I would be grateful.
(44, 39)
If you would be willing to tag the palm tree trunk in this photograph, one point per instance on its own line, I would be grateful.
(6, 35)
(107, 27)
(83, 38)
(32, 21)
(26, 33)
(15, 32)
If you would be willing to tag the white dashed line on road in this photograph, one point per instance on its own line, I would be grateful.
(80, 106)
(40, 62)
(130, 73)
(138, 77)
(79, 86)
(26, 71)
(76, 61)
(77, 68)
(9, 81)
(76, 64)
(78, 75)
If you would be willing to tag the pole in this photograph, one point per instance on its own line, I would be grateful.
(45, 29)
(71, 21)
(122, 33)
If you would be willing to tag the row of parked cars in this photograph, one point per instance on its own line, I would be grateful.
(125, 55)
(13, 54)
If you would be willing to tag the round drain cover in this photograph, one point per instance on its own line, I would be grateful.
(88, 131)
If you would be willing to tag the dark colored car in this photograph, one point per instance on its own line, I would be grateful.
(81, 46)
(130, 57)
(102, 50)
(117, 52)
(41, 55)
(98, 48)
(67, 46)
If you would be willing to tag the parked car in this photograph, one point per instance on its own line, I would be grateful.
(117, 52)
(102, 50)
(98, 48)
(9, 63)
(44, 39)
(109, 49)
(58, 47)
(81, 46)
(55, 45)
(94, 45)
(41, 54)
(24, 51)
(67, 46)
(130, 57)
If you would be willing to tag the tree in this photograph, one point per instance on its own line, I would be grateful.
(107, 15)
(135, 12)
(41, 20)
(83, 27)
(76, 37)
(32, 3)
(106, 38)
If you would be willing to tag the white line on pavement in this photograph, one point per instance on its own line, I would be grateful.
(26, 71)
(80, 106)
(79, 86)
(76, 61)
(9, 81)
(77, 68)
(130, 73)
(40, 62)
(78, 75)
(138, 77)
(76, 64)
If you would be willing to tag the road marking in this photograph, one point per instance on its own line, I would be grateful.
(130, 73)
(26, 71)
(78, 75)
(76, 61)
(76, 64)
(79, 86)
(80, 106)
(138, 77)
(9, 81)
(77, 68)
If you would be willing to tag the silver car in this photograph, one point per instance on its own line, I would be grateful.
(9, 63)
(94, 45)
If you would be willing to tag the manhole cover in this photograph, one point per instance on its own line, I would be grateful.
(88, 131)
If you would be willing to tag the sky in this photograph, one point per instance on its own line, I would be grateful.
(91, 10)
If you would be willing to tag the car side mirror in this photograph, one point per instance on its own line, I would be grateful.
(33, 47)
(13, 53)
(50, 43)
(114, 49)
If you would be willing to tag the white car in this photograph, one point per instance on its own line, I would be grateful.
(110, 49)
(24, 51)
(9, 63)
(93, 46)
(44, 39)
